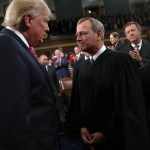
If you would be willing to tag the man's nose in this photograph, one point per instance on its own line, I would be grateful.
(78, 38)
(47, 28)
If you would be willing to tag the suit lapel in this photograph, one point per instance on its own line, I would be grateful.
(18, 39)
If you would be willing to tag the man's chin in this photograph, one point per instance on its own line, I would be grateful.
(82, 48)
(39, 42)
(134, 40)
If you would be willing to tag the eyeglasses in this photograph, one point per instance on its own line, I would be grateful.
(81, 34)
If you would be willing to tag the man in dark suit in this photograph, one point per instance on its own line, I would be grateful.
(52, 72)
(77, 59)
(28, 114)
(54, 81)
(115, 41)
(138, 48)
(61, 63)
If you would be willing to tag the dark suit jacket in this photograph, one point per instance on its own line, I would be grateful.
(28, 113)
(144, 51)
(119, 45)
(52, 73)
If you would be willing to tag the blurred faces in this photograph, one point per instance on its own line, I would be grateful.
(133, 34)
(112, 39)
(86, 37)
(44, 60)
(50, 61)
(57, 54)
(77, 50)
(37, 29)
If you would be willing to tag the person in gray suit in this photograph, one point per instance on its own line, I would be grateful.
(138, 48)
(28, 113)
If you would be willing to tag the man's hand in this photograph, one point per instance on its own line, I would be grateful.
(91, 139)
(135, 55)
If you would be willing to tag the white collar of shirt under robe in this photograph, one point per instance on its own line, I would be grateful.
(103, 48)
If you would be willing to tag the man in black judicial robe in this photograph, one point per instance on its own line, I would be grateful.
(107, 102)
(145, 79)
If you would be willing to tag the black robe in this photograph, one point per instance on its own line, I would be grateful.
(107, 97)
(144, 73)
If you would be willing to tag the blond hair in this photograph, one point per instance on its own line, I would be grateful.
(18, 8)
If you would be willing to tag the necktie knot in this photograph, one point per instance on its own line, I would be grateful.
(136, 47)
(92, 60)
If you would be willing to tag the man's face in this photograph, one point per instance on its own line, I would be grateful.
(112, 39)
(44, 60)
(58, 54)
(50, 61)
(38, 28)
(86, 38)
(76, 50)
(132, 33)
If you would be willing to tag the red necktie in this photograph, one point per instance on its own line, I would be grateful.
(32, 51)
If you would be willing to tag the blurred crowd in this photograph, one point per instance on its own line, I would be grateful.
(111, 22)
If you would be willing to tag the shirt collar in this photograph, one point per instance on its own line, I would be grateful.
(116, 43)
(78, 54)
(19, 34)
(140, 44)
(103, 48)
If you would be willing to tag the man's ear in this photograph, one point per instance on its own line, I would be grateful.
(100, 35)
(28, 20)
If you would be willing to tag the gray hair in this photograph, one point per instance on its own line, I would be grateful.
(18, 8)
(131, 23)
(57, 51)
(95, 24)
